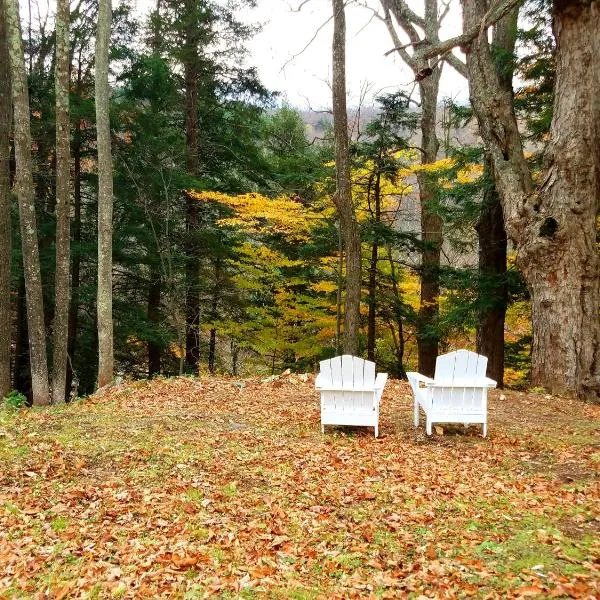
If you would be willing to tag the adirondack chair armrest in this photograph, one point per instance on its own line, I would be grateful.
(319, 381)
(380, 381)
(475, 382)
(489, 382)
(415, 379)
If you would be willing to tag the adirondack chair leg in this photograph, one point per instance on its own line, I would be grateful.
(322, 428)
(484, 429)
(376, 430)
(428, 427)
(416, 410)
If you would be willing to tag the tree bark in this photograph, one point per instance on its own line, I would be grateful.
(553, 227)
(490, 230)
(63, 205)
(493, 285)
(431, 231)
(21, 370)
(25, 193)
(105, 198)
(76, 262)
(5, 223)
(343, 195)
(372, 285)
(192, 259)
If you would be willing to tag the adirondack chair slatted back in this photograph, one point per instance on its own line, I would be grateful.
(347, 374)
(460, 365)
(459, 369)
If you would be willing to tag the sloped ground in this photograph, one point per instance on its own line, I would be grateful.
(219, 488)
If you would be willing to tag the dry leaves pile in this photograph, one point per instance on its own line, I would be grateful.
(222, 488)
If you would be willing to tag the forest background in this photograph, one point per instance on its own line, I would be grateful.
(227, 254)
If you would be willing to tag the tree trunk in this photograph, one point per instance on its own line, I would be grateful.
(372, 286)
(343, 195)
(5, 223)
(212, 345)
(490, 229)
(493, 293)
(105, 198)
(431, 231)
(192, 260)
(154, 350)
(25, 193)
(76, 262)
(398, 340)
(63, 205)
(21, 370)
(212, 351)
(555, 227)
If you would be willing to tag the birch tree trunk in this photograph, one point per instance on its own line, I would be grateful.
(63, 205)
(554, 226)
(105, 198)
(343, 195)
(5, 228)
(25, 193)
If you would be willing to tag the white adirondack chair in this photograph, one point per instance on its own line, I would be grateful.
(350, 392)
(456, 394)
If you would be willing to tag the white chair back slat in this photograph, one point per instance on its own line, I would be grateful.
(444, 367)
(369, 373)
(481, 366)
(347, 371)
(325, 371)
(461, 364)
(358, 367)
(336, 371)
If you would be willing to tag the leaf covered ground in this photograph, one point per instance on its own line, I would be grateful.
(188, 488)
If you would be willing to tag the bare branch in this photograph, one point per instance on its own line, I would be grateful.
(312, 39)
(502, 8)
(458, 65)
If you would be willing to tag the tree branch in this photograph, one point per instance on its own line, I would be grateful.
(498, 11)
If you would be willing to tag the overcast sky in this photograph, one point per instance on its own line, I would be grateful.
(303, 80)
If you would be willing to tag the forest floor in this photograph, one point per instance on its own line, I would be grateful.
(226, 488)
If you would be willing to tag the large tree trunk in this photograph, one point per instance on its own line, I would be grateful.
(490, 228)
(343, 195)
(493, 285)
(431, 231)
(555, 227)
(63, 205)
(105, 199)
(192, 260)
(25, 193)
(5, 225)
